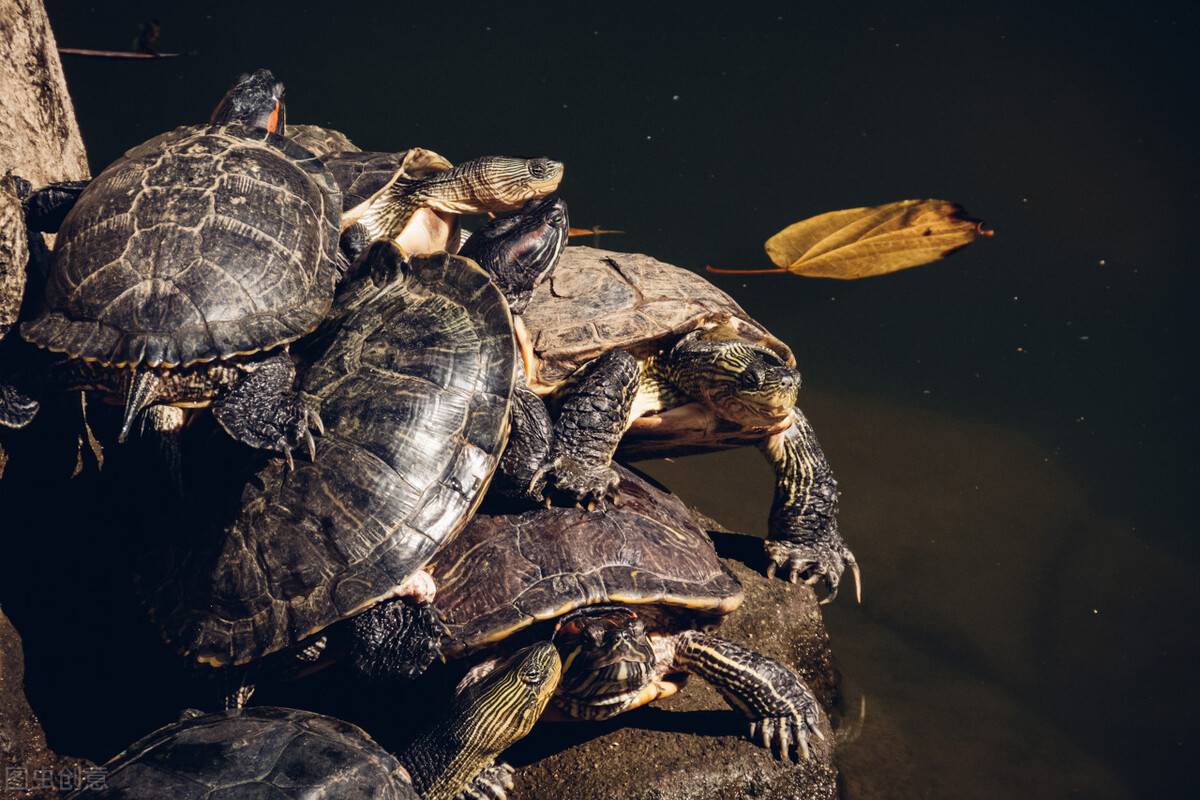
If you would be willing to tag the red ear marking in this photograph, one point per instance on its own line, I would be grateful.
(273, 120)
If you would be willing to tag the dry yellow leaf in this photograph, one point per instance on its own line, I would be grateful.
(861, 242)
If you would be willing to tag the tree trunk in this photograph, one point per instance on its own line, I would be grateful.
(39, 138)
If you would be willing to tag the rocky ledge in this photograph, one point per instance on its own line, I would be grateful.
(30, 768)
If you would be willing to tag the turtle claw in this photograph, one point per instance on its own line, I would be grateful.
(586, 486)
(308, 420)
(813, 564)
(493, 783)
(787, 736)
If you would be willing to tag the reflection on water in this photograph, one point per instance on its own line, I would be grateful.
(1013, 429)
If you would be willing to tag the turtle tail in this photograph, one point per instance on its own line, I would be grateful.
(145, 387)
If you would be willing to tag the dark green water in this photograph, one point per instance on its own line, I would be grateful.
(1013, 428)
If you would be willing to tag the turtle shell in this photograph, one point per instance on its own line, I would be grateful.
(261, 752)
(598, 300)
(414, 389)
(321, 141)
(202, 243)
(506, 572)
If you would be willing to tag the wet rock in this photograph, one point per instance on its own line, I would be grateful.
(692, 746)
(30, 768)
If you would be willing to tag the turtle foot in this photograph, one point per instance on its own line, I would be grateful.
(812, 563)
(395, 639)
(786, 736)
(493, 783)
(16, 409)
(585, 485)
(264, 412)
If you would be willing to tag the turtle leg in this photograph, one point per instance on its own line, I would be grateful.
(354, 241)
(529, 440)
(780, 708)
(46, 208)
(592, 418)
(396, 638)
(803, 540)
(263, 409)
(16, 408)
(483, 721)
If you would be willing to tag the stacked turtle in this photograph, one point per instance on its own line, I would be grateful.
(311, 294)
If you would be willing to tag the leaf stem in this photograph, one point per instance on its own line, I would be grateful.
(723, 271)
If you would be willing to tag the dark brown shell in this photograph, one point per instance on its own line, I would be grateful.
(504, 573)
(598, 300)
(261, 752)
(200, 244)
(415, 391)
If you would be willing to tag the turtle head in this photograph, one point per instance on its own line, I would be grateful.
(742, 381)
(520, 250)
(767, 389)
(511, 698)
(501, 183)
(606, 653)
(255, 99)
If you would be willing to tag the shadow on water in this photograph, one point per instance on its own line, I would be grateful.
(1013, 429)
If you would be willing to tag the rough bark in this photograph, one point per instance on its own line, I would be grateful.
(14, 253)
(39, 138)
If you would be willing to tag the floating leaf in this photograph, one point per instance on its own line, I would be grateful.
(861, 242)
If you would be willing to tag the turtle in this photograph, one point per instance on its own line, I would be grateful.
(424, 213)
(414, 380)
(637, 353)
(177, 327)
(634, 352)
(182, 273)
(421, 215)
(630, 595)
(271, 751)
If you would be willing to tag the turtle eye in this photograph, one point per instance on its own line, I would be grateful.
(596, 635)
(538, 168)
(532, 675)
(752, 378)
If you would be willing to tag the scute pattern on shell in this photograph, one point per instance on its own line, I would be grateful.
(505, 572)
(202, 243)
(415, 395)
(598, 300)
(257, 752)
